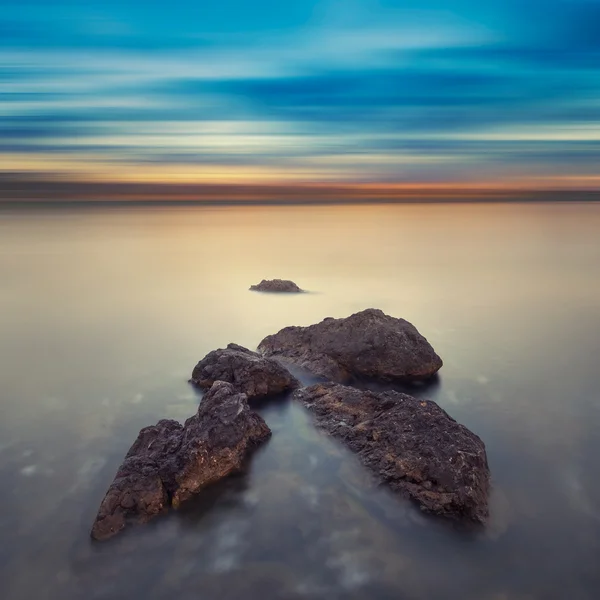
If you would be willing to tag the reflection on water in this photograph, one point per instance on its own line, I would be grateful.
(106, 312)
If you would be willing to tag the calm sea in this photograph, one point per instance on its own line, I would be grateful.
(104, 313)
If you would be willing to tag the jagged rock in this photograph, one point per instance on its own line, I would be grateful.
(366, 345)
(170, 462)
(276, 285)
(411, 445)
(249, 372)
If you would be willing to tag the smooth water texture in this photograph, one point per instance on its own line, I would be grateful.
(104, 313)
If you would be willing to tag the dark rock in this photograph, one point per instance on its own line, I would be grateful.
(249, 372)
(411, 445)
(367, 345)
(170, 462)
(276, 285)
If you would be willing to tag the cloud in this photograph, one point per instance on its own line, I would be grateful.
(376, 89)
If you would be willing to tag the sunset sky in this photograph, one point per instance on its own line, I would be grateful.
(302, 91)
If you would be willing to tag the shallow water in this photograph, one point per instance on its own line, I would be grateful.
(105, 312)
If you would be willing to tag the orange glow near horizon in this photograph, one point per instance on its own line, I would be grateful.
(65, 167)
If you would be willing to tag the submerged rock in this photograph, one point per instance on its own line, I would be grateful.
(276, 285)
(411, 445)
(170, 462)
(249, 372)
(368, 344)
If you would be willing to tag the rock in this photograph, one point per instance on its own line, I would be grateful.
(248, 372)
(276, 285)
(411, 445)
(170, 462)
(366, 345)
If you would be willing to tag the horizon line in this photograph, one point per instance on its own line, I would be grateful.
(16, 190)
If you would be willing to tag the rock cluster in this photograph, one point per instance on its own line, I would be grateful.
(411, 445)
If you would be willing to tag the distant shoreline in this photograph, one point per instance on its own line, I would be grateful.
(529, 198)
(17, 192)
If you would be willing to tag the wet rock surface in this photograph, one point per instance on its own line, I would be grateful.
(250, 373)
(411, 445)
(365, 345)
(170, 462)
(276, 285)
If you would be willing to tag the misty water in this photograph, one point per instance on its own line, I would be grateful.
(104, 313)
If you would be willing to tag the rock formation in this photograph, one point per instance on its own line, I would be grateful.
(366, 345)
(276, 285)
(170, 462)
(248, 372)
(411, 445)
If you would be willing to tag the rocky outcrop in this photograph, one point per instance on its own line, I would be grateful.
(170, 462)
(276, 285)
(411, 445)
(249, 372)
(366, 345)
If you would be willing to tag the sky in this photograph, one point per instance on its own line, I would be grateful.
(500, 92)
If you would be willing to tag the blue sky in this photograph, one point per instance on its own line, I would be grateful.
(342, 90)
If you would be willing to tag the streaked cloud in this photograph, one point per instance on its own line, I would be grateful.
(314, 91)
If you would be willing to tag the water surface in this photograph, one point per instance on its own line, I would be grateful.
(106, 311)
